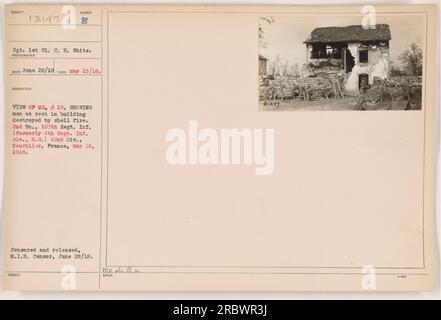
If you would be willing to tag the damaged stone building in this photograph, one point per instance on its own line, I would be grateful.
(362, 55)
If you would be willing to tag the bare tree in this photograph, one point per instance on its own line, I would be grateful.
(280, 66)
(262, 41)
(395, 70)
(295, 70)
(412, 59)
(283, 67)
(274, 66)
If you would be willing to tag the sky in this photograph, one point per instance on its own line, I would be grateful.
(286, 34)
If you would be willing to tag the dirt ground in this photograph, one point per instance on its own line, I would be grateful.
(347, 103)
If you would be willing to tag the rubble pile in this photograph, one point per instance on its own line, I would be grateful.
(412, 81)
(325, 63)
(318, 86)
(328, 83)
(277, 88)
(402, 87)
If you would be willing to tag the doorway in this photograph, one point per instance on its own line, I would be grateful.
(348, 60)
(363, 78)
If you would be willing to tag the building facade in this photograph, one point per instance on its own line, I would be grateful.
(263, 65)
(361, 54)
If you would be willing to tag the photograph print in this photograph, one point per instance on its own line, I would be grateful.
(313, 63)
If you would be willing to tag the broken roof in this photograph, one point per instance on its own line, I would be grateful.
(352, 33)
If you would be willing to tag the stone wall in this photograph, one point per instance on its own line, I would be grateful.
(314, 87)
(413, 81)
(331, 84)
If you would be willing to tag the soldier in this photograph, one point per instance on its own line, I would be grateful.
(361, 98)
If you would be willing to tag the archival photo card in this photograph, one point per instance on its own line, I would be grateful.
(139, 156)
